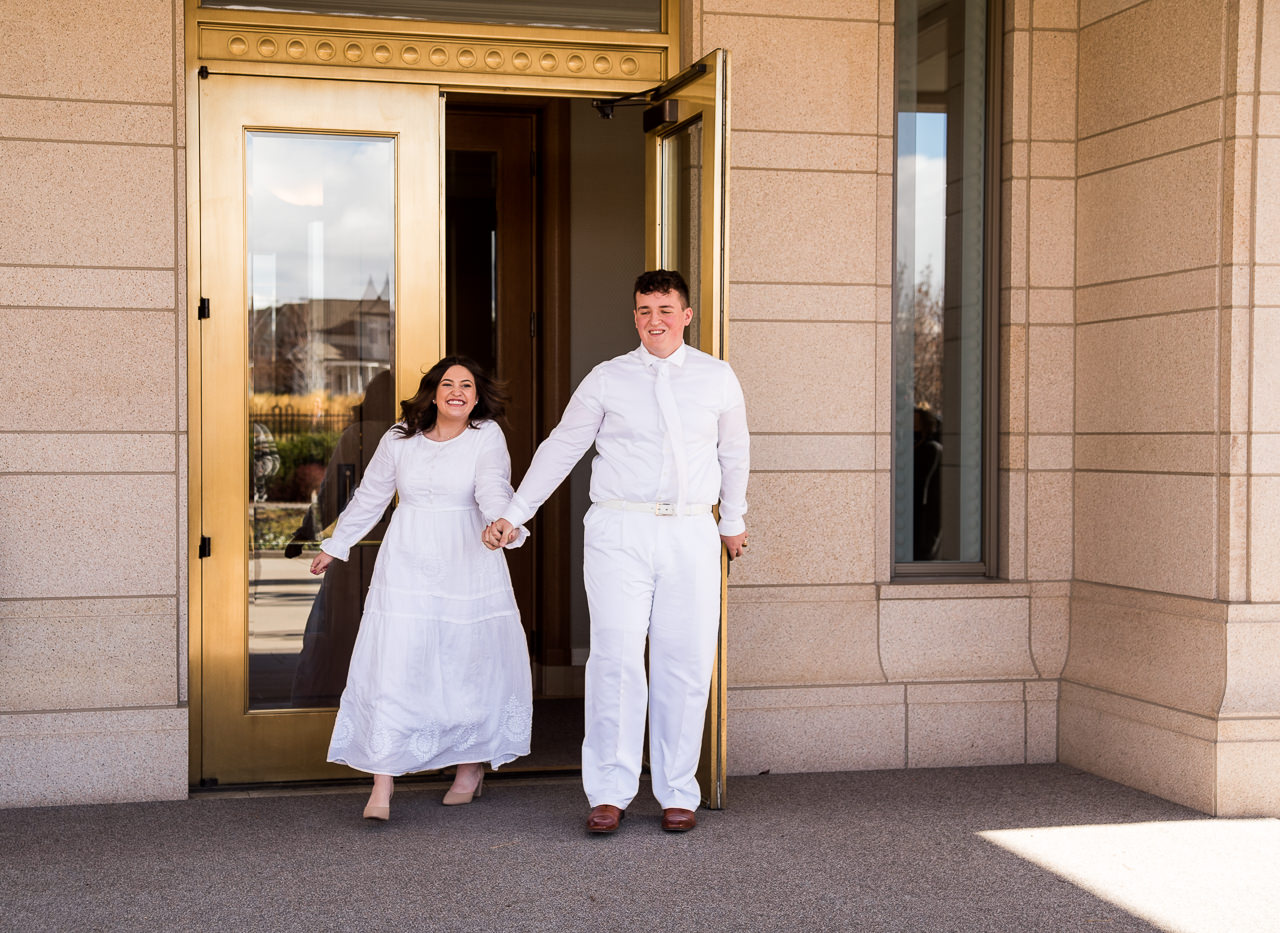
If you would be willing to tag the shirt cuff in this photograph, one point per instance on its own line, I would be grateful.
(517, 511)
(522, 535)
(729, 527)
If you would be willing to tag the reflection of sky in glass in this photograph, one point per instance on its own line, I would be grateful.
(925, 170)
(321, 215)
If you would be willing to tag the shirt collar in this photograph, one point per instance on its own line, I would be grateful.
(677, 357)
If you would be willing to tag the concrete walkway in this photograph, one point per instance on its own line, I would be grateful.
(976, 849)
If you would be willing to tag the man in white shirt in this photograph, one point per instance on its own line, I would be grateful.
(670, 429)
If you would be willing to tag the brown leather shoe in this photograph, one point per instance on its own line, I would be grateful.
(605, 818)
(675, 820)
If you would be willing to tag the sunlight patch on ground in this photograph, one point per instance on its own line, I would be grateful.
(1194, 876)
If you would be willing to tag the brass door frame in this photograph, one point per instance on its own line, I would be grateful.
(703, 98)
(413, 115)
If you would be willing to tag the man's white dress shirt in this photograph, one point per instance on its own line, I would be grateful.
(616, 408)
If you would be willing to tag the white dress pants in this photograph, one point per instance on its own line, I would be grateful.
(656, 578)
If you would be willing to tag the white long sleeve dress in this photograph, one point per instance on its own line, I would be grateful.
(440, 670)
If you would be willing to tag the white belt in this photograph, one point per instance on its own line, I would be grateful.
(653, 508)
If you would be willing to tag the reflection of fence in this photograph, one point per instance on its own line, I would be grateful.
(283, 421)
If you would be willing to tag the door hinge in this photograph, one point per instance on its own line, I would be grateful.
(206, 547)
(203, 311)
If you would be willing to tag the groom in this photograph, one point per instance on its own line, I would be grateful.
(670, 429)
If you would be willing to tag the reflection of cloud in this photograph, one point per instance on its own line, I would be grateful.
(344, 183)
(923, 179)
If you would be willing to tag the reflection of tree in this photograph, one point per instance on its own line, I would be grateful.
(919, 325)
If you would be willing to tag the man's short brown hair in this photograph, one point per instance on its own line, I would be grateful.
(662, 280)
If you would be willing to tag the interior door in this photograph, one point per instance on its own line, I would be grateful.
(320, 261)
(686, 197)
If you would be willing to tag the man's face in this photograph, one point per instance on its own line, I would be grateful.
(660, 321)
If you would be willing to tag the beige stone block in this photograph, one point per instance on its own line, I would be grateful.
(117, 366)
(1156, 375)
(1053, 86)
(965, 724)
(117, 756)
(1269, 115)
(884, 526)
(1016, 302)
(1049, 451)
(974, 588)
(87, 535)
(1265, 396)
(1042, 729)
(1248, 779)
(37, 287)
(884, 452)
(1051, 251)
(816, 729)
(1267, 202)
(817, 236)
(1152, 59)
(778, 361)
(1051, 306)
(1266, 285)
(88, 205)
(954, 639)
(817, 9)
(87, 121)
(1125, 740)
(1014, 239)
(87, 654)
(1054, 14)
(1093, 10)
(773, 453)
(1013, 511)
(1269, 64)
(814, 152)
(1050, 376)
(1156, 656)
(884, 379)
(1050, 633)
(1018, 89)
(1264, 454)
(886, 123)
(1015, 160)
(791, 516)
(1253, 658)
(1157, 136)
(1013, 451)
(182, 551)
(1149, 218)
(1146, 453)
(785, 642)
(1013, 379)
(55, 49)
(1178, 291)
(775, 86)
(1148, 531)
(1049, 519)
(1264, 526)
(87, 453)
(751, 301)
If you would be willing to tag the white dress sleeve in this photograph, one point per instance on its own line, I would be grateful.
(369, 501)
(734, 453)
(493, 478)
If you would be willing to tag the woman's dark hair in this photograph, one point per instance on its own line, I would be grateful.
(418, 414)
(656, 281)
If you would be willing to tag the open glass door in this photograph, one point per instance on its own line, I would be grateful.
(320, 259)
(686, 198)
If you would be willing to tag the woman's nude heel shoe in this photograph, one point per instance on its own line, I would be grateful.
(452, 799)
(372, 812)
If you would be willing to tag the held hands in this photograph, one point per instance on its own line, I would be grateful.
(736, 545)
(499, 534)
(321, 563)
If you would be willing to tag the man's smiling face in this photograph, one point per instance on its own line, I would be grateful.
(660, 320)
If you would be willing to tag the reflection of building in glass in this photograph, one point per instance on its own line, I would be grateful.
(333, 345)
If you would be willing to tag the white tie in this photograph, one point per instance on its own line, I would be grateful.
(675, 430)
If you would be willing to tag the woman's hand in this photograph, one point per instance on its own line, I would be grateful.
(499, 534)
(321, 563)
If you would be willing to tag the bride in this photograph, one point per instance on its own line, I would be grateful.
(439, 674)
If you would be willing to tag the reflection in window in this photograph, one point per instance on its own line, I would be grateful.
(620, 15)
(939, 287)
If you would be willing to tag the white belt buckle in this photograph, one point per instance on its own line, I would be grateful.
(664, 508)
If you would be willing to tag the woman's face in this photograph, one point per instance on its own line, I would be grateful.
(456, 394)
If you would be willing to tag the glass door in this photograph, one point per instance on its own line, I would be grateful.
(320, 258)
(686, 198)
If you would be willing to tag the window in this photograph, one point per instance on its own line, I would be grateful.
(944, 329)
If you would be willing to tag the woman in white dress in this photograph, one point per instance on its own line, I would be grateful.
(439, 674)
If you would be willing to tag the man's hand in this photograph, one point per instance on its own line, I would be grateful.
(321, 563)
(736, 545)
(499, 534)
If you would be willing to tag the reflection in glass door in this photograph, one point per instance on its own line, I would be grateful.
(320, 236)
(319, 223)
